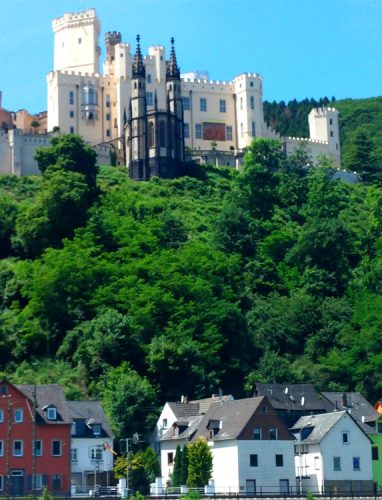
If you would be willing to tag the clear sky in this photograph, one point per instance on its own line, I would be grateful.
(302, 48)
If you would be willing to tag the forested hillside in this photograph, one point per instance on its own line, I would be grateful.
(139, 292)
(358, 117)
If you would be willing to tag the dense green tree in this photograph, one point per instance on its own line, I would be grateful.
(362, 157)
(8, 210)
(129, 399)
(69, 152)
(184, 465)
(176, 471)
(199, 463)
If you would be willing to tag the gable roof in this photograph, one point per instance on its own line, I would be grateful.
(205, 403)
(320, 424)
(181, 410)
(233, 416)
(354, 403)
(47, 395)
(89, 410)
(297, 397)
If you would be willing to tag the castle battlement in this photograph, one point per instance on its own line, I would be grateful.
(73, 19)
(305, 140)
(322, 112)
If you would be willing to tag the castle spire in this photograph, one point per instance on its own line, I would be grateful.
(138, 66)
(173, 71)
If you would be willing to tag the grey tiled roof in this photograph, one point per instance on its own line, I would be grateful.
(233, 416)
(291, 397)
(354, 403)
(181, 410)
(205, 403)
(321, 425)
(89, 410)
(47, 394)
(192, 425)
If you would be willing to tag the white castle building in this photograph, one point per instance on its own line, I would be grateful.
(220, 118)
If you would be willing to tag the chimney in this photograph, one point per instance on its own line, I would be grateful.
(184, 399)
(344, 399)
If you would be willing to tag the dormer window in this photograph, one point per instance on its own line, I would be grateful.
(96, 429)
(51, 413)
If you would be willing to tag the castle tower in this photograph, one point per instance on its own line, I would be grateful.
(76, 42)
(112, 38)
(175, 106)
(324, 126)
(136, 127)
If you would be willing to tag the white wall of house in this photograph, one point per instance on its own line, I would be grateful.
(84, 462)
(310, 469)
(359, 446)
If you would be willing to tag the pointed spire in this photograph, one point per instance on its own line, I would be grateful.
(138, 66)
(173, 71)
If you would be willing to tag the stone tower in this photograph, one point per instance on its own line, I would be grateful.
(76, 42)
(324, 126)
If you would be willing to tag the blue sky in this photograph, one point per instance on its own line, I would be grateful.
(302, 48)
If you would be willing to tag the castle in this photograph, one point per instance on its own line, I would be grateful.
(143, 109)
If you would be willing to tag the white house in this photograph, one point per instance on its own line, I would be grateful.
(333, 454)
(91, 444)
(252, 448)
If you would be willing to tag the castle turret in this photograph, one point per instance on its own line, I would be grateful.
(136, 141)
(175, 106)
(324, 126)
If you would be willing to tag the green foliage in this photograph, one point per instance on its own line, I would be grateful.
(152, 290)
(45, 495)
(191, 495)
(176, 472)
(184, 466)
(199, 463)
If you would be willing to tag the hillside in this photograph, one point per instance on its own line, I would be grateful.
(291, 119)
(140, 292)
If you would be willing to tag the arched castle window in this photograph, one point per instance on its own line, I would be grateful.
(162, 134)
(151, 135)
(89, 95)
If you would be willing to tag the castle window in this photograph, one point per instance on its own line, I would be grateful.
(203, 104)
(71, 130)
(331, 133)
(251, 84)
(186, 103)
(331, 121)
(108, 116)
(253, 129)
(148, 78)
(222, 106)
(108, 101)
(71, 114)
(186, 130)
(71, 97)
(252, 102)
(135, 85)
(149, 98)
(151, 135)
(228, 133)
(241, 130)
(79, 40)
(198, 130)
(108, 133)
(162, 134)
(241, 104)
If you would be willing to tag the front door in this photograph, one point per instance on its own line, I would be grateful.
(250, 486)
(284, 486)
(17, 482)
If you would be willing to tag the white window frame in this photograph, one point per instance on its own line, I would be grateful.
(203, 104)
(186, 130)
(338, 467)
(359, 463)
(18, 416)
(260, 434)
(21, 448)
(275, 431)
(51, 413)
(228, 133)
(222, 106)
(186, 99)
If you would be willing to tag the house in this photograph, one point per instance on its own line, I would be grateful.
(34, 438)
(292, 401)
(252, 448)
(333, 454)
(91, 455)
(174, 411)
